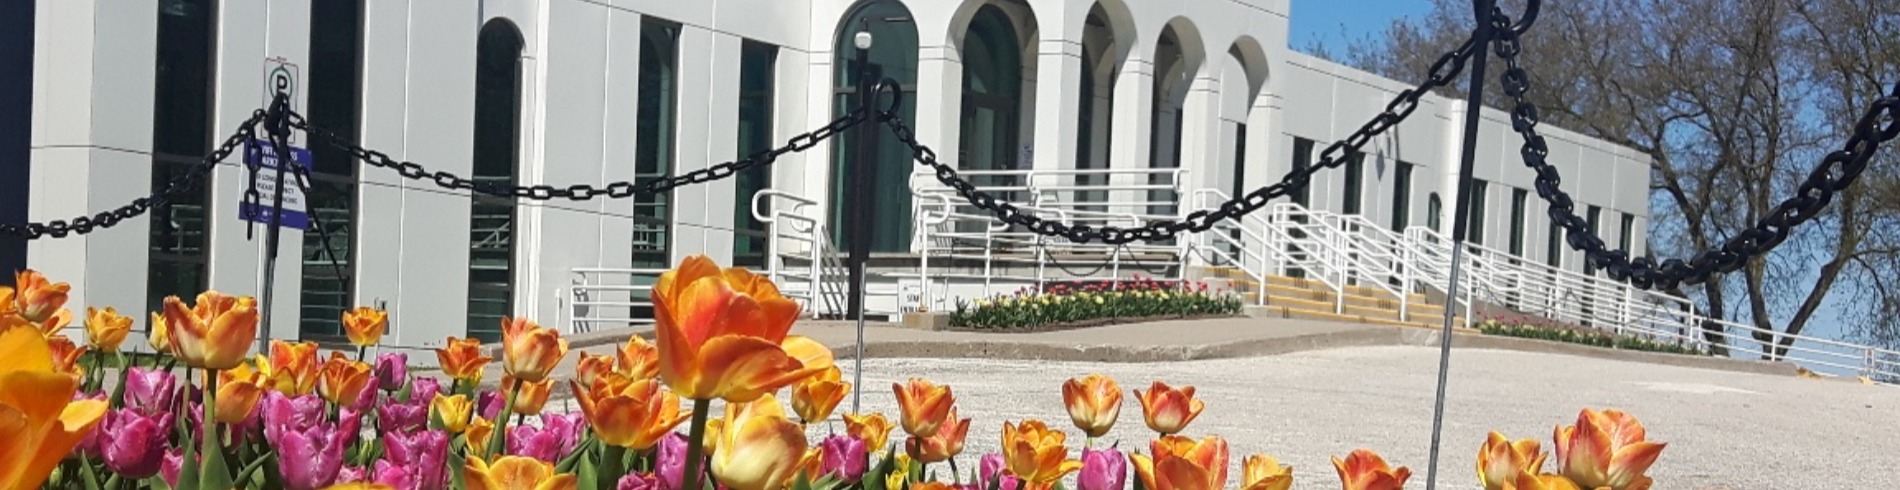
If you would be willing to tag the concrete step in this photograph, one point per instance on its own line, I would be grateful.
(1316, 285)
(1286, 312)
(1321, 293)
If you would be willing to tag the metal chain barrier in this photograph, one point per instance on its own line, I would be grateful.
(180, 184)
(1443, 72)
(1835, 173)
(581, 192)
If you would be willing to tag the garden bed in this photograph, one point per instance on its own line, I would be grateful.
(1071, 306)
(1587, 337)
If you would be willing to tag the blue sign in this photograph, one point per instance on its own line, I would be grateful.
(264, 156)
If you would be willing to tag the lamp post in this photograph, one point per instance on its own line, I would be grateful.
(862, 179)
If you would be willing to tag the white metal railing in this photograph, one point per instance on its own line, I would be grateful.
(612, 297)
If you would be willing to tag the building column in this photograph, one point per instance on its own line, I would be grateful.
(1134, 121)
(1058, 75)
(1201, 130)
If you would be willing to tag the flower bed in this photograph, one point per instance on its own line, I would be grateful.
(1545, 330)
(1070, 305)
(294, 419)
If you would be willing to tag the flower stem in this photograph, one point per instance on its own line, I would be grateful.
(499, 442)
(696, 436)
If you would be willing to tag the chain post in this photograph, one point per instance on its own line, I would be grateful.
(862, 178)
(277, 126)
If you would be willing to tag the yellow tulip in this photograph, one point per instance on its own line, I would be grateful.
(1500, 460)
(873, 429)
(528, 351)
(42, 423)
(1365, 470)
(451, 413)
(636, 415)
(945, 444)
(1035, 453)
(922, 406)
(106, 329)
(66, 355)
(638, 358)
(479, 432)
(291, 368)
(533, 395)
(722, 334)
(462, 359)
(239, 390)
(1606, 450)
(591, 367)
(1528, 481)
(1262, 472)
(1094, 402)
(759, 448)
(515, 473)
(215, 332)
(1168, 410)
(814, 398)
(715, 429)
(811, 466)
(1180, 463)
(365, 326)
(36, 299)
(7, 306)
(159, 335)
(343, 381)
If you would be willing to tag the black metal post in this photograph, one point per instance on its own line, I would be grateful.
(1474, 107)
(861, 181)
(278, 127)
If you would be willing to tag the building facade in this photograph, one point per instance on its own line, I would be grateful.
(125, 95)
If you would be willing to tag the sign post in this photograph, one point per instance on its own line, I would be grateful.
(281, 80)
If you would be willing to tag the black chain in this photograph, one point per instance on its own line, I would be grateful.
(1835, 173)
(1443, 72)
(581, 192)
(179, 184)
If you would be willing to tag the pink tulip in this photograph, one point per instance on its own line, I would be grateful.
(282, 412)
(352, 474)
(392, 370)
(403, 417)
(489, 403)
(419, 456)
(311, 458)
(638, 481)
(555, 438)
(670, 464)
(1102, 470)
(396, 475)
(844, 457)
(150, 391)
(367, 399)
(94, 442)
(168, 469)
(990, 468)
(135, 443)
(424, 389)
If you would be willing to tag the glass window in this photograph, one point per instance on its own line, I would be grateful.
(1402, 197)
(1302, 158)
(16, 124)
(1518, 198)
(1475, 230)
(336, 46)
(1434, 211)
(1554, 247)
(893, 54)
(992, 104)
(1628, 233)
(497, 158)
(1355, 183)
(1596, 214)
(654, 141)
(756, 64)
(181, 135)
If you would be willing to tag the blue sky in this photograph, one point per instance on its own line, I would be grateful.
(1335, 23)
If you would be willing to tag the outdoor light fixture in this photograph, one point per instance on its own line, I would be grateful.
(862, 40)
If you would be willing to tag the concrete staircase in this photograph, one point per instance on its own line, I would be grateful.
(1293, 297)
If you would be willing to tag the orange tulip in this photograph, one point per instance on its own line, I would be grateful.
(1500, 460)
(343, 380)
(215, 333)
(816, 397)
(515, 473)
(759, 448)
(533, 396)
(158, 335)
(922, 406)
(633, 415)
(291, 368)
(937, 485)
(1365, 470)
(528, 351)
(1168, 410)
(7, 306)
(811, 467)
(462, 359)
(638, 358)
(1262, 472)
(42, 423)
(66, 355)
(591, 367)
(239, 390)
(1606, 450)
(722, 334)
(1094, 402)
(365, 326)
(1035, 453)
(106, 329)
(36, 299)
(479, 432)
(1180, 463)
(1529, 481)
(945, 444)
(450, 413)
(873, 429)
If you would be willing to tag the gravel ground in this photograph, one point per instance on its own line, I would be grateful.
(1725, 430)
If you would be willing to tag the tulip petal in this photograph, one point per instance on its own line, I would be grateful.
(75, 421)
(24, 350)
(1630, 462)
(741, 368)
(1181, 474)
(38, 396)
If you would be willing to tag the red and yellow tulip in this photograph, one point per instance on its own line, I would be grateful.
(1168, 410)
(873, 429)
(529, 351)
(291, 368)
(1094, 402)
(722, 334)
(1531, 481)
(1035, 453)
(638, 358)
(462, 359)
(343, 381)
(945, 444)
(515, 473)
(38, 300)
(922, 406)
(815, 397)
(215, 332)
(759, 448)
(1500, 460)
(1180, 463)
(533, 395)
(590, 367)
(1365, 470)
(451, 413)
(106, 329)
(1263, 472)
(1606, 450)
(239, 390)
(42, 421)
(365, 326)
(480, 431)
(633, 415)
(66, 355)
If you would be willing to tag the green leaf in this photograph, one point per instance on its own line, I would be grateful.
(613, 465)
(90, 477)
(188, 466)
(801, 482)
(250, 470)
(589, 477)
(118, 391)
(408, 390)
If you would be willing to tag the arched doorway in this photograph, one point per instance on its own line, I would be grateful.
(1101, 61)
(491, 254)
(893, 54)
(991, 119)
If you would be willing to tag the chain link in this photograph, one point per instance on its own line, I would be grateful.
(184, 182)
(579, 192)
(1836, 172)
(1443, 72)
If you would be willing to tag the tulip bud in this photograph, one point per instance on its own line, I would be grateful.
(1102, 470)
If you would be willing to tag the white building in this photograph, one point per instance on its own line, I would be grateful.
(123, 94)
